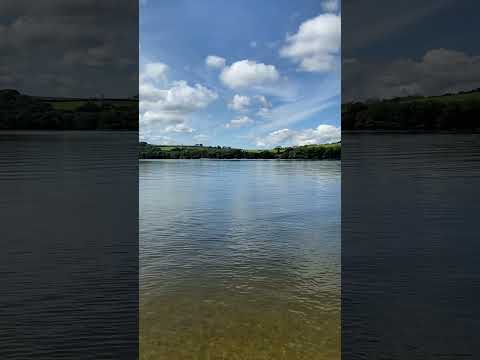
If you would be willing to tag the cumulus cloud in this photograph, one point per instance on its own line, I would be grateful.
(316, 45)
(246, 73)
(265, 106)
(239, 103)
(155, 71)
(275, 138)
(165, 121)
(167, 109)
(180, 96)
(438, 72)
(263, 101)
(264, 112)
(214, 61)
(322, 134)
(243, 103)
(239, 122)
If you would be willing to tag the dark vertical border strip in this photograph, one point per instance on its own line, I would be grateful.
(69, 199)
(410, 174)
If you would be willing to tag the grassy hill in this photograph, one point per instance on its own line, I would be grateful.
(306, 152)
(459, 111)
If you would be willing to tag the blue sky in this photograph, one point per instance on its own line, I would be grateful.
(247, 74)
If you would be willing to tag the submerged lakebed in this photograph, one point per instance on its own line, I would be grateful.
(239, 259)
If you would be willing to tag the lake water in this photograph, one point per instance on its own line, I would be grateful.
(239, 259)
(410, 246)
(69, 248)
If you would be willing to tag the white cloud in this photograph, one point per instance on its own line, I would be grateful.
(322, 134)
(239, 122)
(265, 105)
(316, 45)
(330, 6)
(179, 97)
(253, 44)
(264, 112)
(214, 61)
(201, 137)
(243, 103)
(246, 73)
(166, 107)
(165, 121)
(263, 101)
(239, 103)
(179, 128)
(155, 71)
(167, 110)
(275, 138)
(149, 136)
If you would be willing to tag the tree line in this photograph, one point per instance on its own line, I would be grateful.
(460, 111)
(306, 152)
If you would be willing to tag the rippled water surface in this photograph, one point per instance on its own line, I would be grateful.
(69, 250)
(410, 246)
(239, 259)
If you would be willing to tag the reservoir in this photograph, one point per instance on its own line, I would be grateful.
(239, 259)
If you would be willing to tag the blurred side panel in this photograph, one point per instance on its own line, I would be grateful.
(69, 179)
(410, 175)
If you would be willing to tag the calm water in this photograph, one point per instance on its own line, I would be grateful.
(239, 259)
(69, 250)
(410, 246)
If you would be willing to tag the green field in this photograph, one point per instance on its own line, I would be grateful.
(66, 105)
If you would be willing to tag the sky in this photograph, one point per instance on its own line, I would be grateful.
(400, 48)
(69, 48)
(248, 74)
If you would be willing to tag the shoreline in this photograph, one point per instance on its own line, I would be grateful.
(197, 152)
(219, 159)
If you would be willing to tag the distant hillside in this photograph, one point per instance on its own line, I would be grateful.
(306, 152)
(23, 112)
(459, 111)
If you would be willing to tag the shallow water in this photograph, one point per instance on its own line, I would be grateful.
(239, 259)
